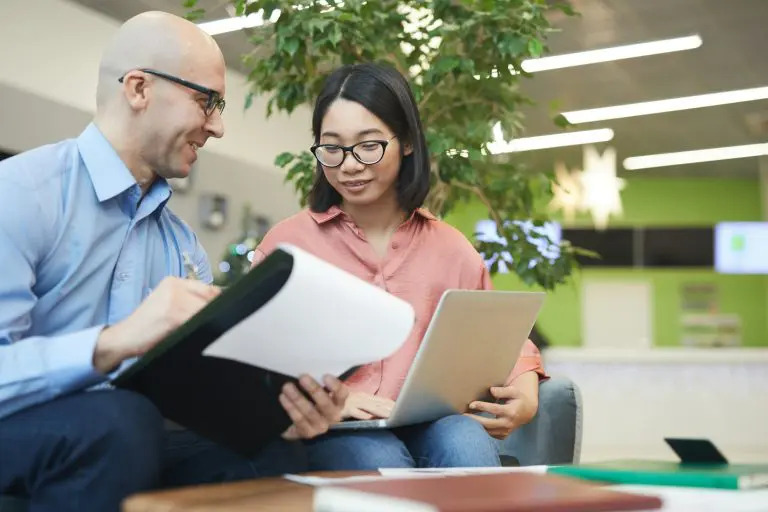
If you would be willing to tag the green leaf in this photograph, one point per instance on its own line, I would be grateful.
(335, 36)
(284, 159)
(561, 121)
(318, 24)
(291, 46)
(194, 14)
(512, 45)
(566, 8)
(446, 64)
(535, 48)
(240, 6)
(248, 100)
(189, 4)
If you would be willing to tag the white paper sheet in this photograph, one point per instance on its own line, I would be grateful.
(323, 320)
(687, 499)
(403, 472)
(320, 481)
(410, 473)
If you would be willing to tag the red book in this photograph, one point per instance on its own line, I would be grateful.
(503, 492)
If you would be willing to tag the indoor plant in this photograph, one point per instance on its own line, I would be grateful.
(464, 59)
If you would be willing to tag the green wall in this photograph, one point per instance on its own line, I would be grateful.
(658, 202)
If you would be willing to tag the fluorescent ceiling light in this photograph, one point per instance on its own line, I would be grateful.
(668, 105)
(498, 145)
(630, 51)
(225, 25)
(697, 156)
(566, 60)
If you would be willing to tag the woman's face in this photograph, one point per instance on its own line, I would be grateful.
(347, 123)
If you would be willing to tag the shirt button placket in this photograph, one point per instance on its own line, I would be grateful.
(378, 280)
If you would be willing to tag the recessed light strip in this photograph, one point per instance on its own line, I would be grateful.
(550, 141)
(630, 51)
(233, 24)
(696, 156)
(668, 105)
(550, 62)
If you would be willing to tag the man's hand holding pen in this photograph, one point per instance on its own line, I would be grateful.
(174, 302)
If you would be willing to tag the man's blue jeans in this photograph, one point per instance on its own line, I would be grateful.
(453, 441)
(89, 451)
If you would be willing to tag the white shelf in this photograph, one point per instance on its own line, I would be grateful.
(657, 355)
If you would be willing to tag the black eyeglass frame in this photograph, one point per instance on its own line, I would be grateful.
(215, 101)
(351, 149)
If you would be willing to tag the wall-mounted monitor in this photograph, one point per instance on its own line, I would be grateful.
(678, 247)
(614, 245)
(741, 248)
(486, 231)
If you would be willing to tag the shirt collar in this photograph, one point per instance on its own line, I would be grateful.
(109, 175)
(334, 212)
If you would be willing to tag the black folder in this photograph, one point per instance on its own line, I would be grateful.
(231, 403)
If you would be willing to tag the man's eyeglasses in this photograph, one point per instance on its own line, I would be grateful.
(367, 152)
(215, 101)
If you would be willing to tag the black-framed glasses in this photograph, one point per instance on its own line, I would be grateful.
(215, 101)
(367, 152)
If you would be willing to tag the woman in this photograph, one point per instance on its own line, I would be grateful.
(365, 217)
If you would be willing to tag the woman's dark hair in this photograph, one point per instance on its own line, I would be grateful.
(386, 94)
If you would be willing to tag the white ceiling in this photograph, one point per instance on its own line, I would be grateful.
(731, 57)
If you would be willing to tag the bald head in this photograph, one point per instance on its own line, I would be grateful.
(156, 40)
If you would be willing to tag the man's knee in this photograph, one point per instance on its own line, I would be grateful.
(122, 427)
(358, 451)
(105, 442)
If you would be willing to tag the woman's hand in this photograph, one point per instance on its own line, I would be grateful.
(362, 406)
(519, 404)
(313, 418)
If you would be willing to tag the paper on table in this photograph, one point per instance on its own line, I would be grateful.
(399, 472)
(409, 473)
(324, 320)
(319, 481)
(685, 499)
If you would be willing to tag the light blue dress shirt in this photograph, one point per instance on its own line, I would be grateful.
(79, 250)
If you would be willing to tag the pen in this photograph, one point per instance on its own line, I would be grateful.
(190, 269)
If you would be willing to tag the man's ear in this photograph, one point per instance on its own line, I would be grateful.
(136, 90)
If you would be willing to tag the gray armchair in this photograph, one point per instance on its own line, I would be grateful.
(553, 437)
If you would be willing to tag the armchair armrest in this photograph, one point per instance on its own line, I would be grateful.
(554, 434)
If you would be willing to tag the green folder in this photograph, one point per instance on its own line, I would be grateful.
(639, 472)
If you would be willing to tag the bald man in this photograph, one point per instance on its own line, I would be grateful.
(93, 276)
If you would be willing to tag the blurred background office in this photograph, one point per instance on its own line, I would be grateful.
(664, 173)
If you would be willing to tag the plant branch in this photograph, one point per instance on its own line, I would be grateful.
(446, 108)
(482, 197)
(425, 98)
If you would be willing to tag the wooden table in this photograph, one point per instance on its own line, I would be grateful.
(251, 495)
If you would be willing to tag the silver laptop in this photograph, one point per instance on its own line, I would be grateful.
(472, 343)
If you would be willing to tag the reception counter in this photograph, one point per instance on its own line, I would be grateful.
(634, 398)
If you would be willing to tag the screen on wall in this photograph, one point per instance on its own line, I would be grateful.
(741, 248)
(615, 246)
(486, 232)
(678, 247)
